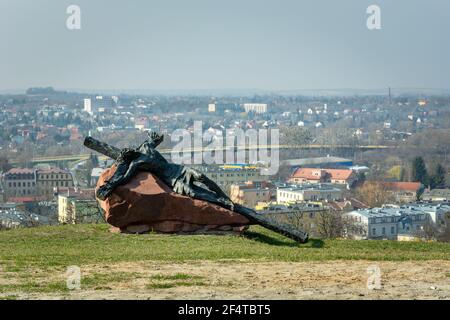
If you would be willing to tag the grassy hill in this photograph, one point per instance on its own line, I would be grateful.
(27, 255)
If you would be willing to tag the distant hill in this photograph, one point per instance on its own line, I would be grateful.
(42, 91)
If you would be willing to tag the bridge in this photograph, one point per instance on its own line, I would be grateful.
(81, 157)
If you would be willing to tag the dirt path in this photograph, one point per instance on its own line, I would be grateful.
(278, 280)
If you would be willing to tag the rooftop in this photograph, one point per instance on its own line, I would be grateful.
(403, 186)
(20, 171)
(397, 211)
(313, 187)
(317, 174)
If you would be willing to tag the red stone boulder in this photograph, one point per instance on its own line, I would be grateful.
(147, 204)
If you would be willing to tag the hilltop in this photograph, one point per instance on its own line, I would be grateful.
(34, 261)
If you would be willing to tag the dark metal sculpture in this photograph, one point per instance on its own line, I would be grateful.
(182, 180)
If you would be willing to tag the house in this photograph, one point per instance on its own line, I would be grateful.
(346, 205)
(404, 192)
(436, 195)
(316, 175)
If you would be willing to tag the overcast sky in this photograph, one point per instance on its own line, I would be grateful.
(227, 44)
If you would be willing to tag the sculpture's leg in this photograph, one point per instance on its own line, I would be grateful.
(199, 193)
(123, 174)
(211, 185)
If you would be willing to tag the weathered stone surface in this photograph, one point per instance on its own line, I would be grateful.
(147, 204)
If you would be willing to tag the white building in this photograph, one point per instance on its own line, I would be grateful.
(308, 192)
(396, 221)
(88, 106)
(99, 103)
(255, 107)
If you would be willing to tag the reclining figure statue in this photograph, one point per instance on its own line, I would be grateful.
(182, 180)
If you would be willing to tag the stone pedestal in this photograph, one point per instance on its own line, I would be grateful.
(147, 204)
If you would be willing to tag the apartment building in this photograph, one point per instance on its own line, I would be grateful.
(19, 182)
(49, 179)
(250, 194)
(225, 176)
(396, 222)
(308, 192)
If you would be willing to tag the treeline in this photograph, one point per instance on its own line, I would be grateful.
(420, 173)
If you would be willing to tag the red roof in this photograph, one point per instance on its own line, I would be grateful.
(308, 173)
(26, 199)
(317, 174)
(20, 171)
(403, 186)
(339, 174)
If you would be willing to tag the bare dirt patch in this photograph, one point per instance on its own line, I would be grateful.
(248, 280)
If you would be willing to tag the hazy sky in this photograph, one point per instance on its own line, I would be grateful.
(227, 44)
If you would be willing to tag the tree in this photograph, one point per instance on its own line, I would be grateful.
(296, 136)
(428, 231)
(419, 171)
(283, 173)
(4, 164)
(438, 178)
(374, 194)
(330, 224)
(444, 236)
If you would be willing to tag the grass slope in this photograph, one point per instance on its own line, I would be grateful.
(33, 261)
(84, 244)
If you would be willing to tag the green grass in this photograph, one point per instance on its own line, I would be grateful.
(35, 287)
(31, 258)
(62, 246)
(160, 281)
(178, 276)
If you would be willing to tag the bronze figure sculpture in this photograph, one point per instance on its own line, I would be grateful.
(181, 179)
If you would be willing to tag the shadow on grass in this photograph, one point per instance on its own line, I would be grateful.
(313, 243)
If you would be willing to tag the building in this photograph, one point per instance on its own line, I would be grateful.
(142, 123)
(346, 205)
(19, 182)
(439, 213)
(225, 176)
(308, 192)
(250, 194)
(316, 175)
(95, 175)
(99, 104)
(220, 108)
(49, 179)
(78, 206)
(88, 106)
(404, 192)
(436, 195)
(255, 107)
(397, 222)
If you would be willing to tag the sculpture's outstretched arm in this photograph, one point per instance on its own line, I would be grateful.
(153, 141)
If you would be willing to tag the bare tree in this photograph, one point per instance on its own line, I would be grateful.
(330, 224)
(428, 231)
(374, 194)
